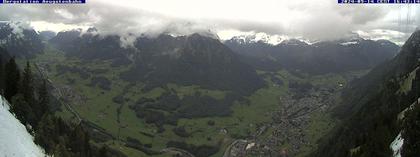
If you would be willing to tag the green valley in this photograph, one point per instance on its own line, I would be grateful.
(108, 104)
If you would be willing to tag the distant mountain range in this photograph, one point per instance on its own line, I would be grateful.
(208, 60)
(316, 58)
(202, 60)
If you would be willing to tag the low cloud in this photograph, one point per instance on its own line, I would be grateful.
(315, 20)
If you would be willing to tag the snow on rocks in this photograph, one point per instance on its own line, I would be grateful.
(396, 146)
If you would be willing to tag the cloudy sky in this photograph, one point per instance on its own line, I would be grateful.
(313, 20)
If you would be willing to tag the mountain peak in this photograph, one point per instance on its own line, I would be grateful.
(207, 33)
(258, 38)
(293, 42)
(199, 36)
(19, 39)
(414, 39)
(409, 56)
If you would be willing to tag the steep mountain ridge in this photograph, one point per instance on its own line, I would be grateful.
(20, 41)
(371, 106)
(185, 60)
(198, 60)
(397, 68)
(90, 46)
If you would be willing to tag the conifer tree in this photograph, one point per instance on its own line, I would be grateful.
(411, 133)
(23, 110)
(43, 99)
(27, 88)
(12, 78)
(46, 133)
(103, 151)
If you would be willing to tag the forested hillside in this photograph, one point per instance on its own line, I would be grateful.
(30, 101)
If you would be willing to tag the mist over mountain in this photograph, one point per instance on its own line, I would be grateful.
(89, 46)
(187, 60)
(22, 42)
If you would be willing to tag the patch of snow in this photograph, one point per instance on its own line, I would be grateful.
(259, 37)
(294, 42)
(349, 43)
(249, 146)
(396, 145)
(271, 39)
(15, 141)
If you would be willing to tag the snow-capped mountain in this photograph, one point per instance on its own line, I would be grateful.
(15, 141)
(352, 53)
(259, 38)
